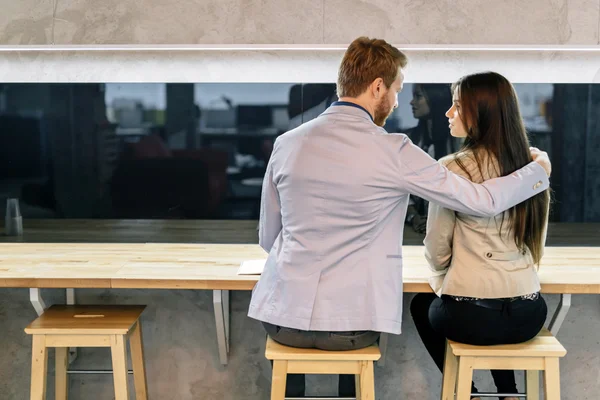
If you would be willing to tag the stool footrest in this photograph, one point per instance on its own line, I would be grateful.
(93, 371)
(320, 398)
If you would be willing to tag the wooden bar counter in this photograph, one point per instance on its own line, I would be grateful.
(206, 255)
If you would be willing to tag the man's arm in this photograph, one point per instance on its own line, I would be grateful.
(426, 178)
(270, 211)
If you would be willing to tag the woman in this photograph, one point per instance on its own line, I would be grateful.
(485, 276)
(429, 105)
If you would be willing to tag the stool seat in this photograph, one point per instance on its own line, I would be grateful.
(295, 360)
(276, 351)
(543, 345)
(86, 320)
(541, 353)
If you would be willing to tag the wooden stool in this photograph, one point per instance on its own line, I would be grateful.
(64, 326)
(293, 360)
(539, 354)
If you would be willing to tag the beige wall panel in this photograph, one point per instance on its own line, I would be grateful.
(464, 21)
(161, 22)
(25, 22)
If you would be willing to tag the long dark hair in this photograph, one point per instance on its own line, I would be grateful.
(495, 132)
(438, 97)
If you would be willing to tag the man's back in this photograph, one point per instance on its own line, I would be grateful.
(337, 263)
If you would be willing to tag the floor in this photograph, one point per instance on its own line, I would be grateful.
(182, 360)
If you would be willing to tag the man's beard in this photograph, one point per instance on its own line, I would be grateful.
(382, 112)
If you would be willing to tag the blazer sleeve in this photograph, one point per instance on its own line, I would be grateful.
(270, 224)
(422, 175)
(438, 240)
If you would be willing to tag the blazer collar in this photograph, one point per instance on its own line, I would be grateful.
(344, 107)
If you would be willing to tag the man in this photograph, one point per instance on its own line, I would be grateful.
(333, 206)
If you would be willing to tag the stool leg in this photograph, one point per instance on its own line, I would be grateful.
(60, 373)
(357, 386)
(532, 384)
(279, 379)
(39, 363)
(137, 359)
(465, 378)
(367, 381)
(450, 371)
(552, 379)
(119, 364)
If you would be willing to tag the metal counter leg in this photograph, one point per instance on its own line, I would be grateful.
(35, 296)
(227, 315)
(70, 296)
(71, 301)
(559, 315)
(221, 307)
(383, 343)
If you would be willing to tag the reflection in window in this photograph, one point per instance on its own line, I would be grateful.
(238, 124)
(135, 107)
(196, 151)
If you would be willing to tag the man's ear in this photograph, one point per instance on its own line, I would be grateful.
(377, 88)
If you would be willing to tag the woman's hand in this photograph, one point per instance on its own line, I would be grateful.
(541, 157)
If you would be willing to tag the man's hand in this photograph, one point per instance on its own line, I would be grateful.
(541, 157)
(419, 223)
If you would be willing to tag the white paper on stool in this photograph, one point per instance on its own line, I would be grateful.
(251, 267)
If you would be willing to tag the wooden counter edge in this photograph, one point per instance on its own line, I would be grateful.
(203, 284)
(225, 284)
(56, 283)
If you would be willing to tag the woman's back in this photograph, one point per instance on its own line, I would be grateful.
(483, 258)
(485, 274)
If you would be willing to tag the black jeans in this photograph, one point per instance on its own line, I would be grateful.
(333, 341)
(465, 322)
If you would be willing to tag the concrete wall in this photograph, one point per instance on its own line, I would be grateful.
(299, 21)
